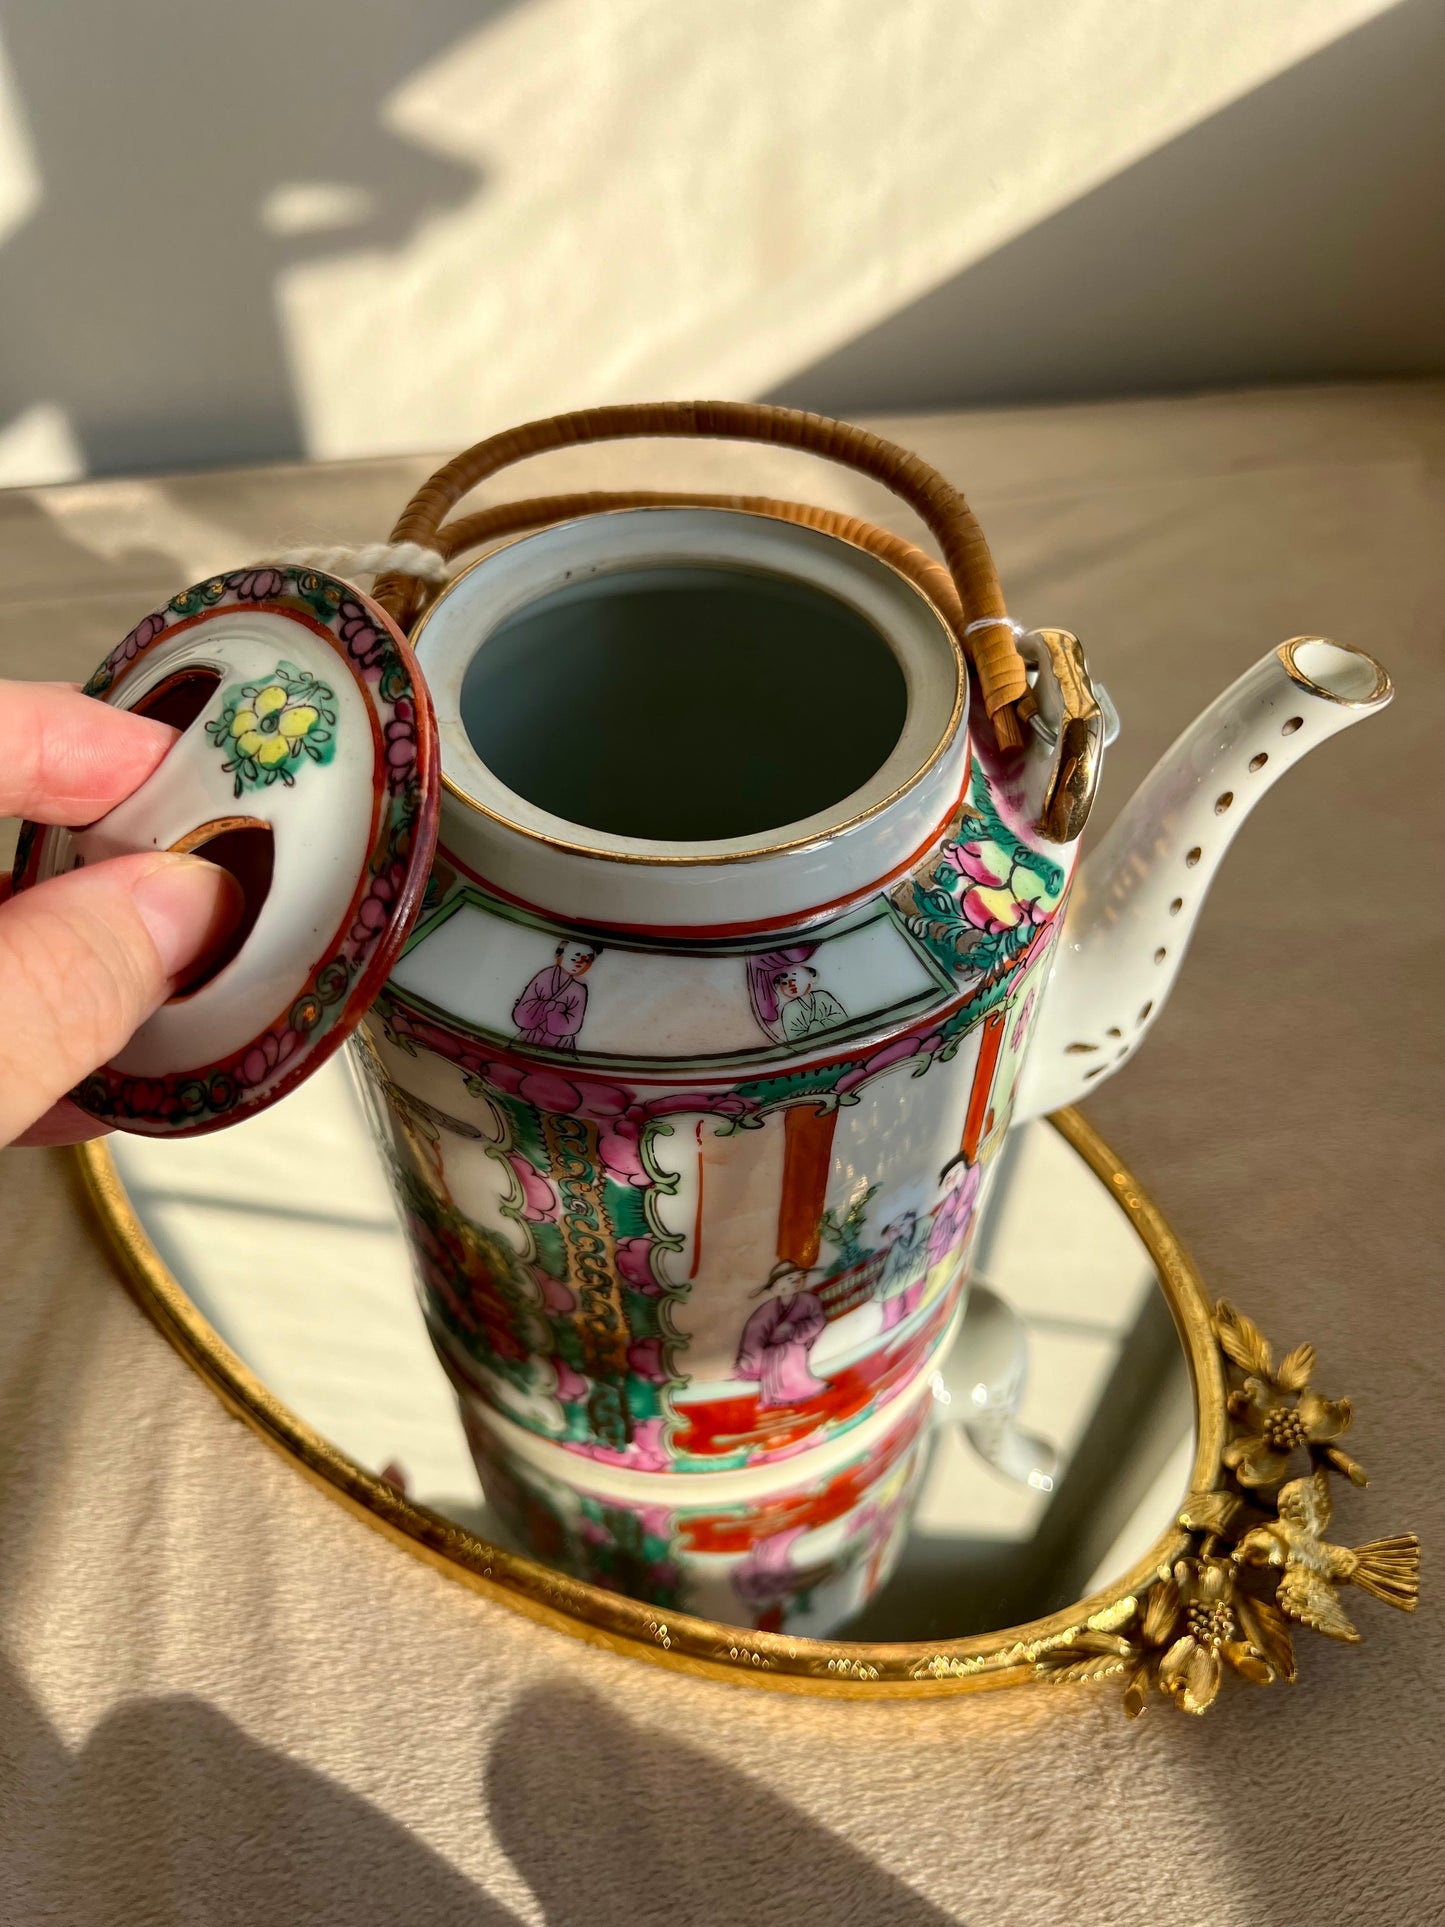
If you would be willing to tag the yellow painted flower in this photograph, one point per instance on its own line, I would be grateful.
(273, 726)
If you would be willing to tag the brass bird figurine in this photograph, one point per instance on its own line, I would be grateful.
(1388, 1568)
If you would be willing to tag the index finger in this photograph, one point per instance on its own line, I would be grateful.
(66, 758)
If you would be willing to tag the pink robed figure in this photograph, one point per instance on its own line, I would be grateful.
(954, 1212)
(549, 1012)
(775, 1345)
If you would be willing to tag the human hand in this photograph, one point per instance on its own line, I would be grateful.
(87, 957)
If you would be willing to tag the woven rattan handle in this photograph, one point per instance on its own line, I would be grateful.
(996, 659)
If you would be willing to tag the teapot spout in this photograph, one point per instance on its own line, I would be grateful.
(1134, 904)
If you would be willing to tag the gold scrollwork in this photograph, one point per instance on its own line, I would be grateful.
(592, 1264)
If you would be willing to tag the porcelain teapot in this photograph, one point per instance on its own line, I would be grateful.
(749, 915)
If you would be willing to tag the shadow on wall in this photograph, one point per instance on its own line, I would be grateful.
(170, 1811)
(161, 135)
(1296, 235)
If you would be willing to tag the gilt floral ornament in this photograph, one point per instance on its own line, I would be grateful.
(1257, 1569)
(1194, 1625)
(1277, 1412)
(270, 729)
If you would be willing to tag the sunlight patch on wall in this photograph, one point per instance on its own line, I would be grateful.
(674, 202)
(38, 446)
(315, 207)
(19, 182)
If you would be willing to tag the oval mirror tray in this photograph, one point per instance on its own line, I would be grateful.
(1080, 1496)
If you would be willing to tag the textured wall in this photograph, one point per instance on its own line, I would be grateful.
(293, 227)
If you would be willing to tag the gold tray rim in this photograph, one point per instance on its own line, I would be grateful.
(702, 1647)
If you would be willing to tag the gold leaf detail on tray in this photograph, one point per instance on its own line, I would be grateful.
(1255, 1567)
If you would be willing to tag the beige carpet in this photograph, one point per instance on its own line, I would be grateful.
(225, 1701)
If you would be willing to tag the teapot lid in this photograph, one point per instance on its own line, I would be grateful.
(307, 765)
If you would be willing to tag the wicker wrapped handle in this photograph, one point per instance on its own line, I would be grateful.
(999, 666)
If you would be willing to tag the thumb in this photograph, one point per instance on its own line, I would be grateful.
(86, 958)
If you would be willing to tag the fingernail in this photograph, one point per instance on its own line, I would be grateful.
(188, 906)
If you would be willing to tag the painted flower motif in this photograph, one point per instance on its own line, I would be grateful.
(376, 907)
(264, 1055)
(556, 1296)
(442, 1259)
(270, 727)
(988, 892)
(367, 645)
(1277, 1429)
(902, 1050)
(256, 585)
(539, 1196)
(147, 1097)
(399, 744)
(571, 1385)
(464, 1284)
(620, 1149)
(644, 1356)
(139, 639)
(634, 1263)
(970, 861)
(1005, 894)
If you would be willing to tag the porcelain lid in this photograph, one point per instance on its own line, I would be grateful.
(307, 765)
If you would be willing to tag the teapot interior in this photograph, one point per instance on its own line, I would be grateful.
(684, 703)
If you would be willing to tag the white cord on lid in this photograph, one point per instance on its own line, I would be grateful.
(372, 558)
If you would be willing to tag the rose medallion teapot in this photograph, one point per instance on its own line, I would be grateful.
(699, 879)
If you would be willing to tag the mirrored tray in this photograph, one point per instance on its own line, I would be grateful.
(1060, 1446)
(1078, 1416)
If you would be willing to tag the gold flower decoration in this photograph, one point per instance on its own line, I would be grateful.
(1208, 1636)
(1276, 1430)
(1253, 1565)
(1388, 1568)
(1194, 1625)
(1277, 1410)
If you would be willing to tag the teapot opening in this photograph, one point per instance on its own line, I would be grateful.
(684, 703)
